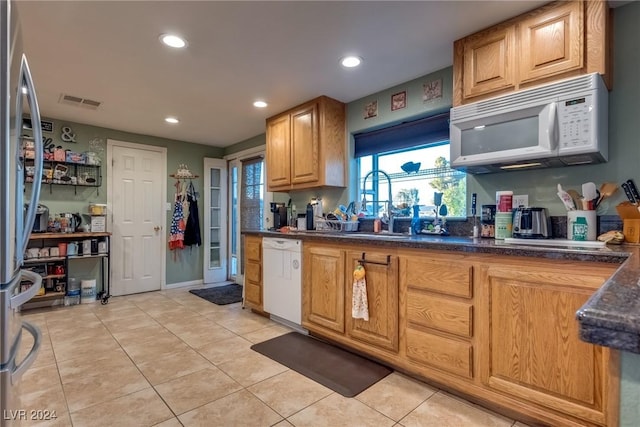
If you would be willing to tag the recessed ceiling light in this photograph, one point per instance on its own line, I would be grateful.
(171, 120)
(260, 104)
(173, 40)
(351, 61)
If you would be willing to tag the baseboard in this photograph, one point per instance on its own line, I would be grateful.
(215, 285)
(184, 284)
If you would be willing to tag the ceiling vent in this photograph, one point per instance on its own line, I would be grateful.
(79, 102)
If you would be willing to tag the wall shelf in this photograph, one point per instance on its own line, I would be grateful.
(67, 174)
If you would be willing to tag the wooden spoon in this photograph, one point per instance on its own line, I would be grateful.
(577, 199)
(607, 189)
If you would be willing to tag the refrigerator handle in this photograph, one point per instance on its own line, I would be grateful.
(19, 299)
(31, 357)
(27, 225)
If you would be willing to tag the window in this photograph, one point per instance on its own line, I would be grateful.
(415, 158)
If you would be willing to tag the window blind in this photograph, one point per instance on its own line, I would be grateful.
(428, 130)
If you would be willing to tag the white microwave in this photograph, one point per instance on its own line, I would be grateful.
(560, 124)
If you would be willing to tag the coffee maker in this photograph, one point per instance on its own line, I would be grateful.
(279, 211)
(42, 218)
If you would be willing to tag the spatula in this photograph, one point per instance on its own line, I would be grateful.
(589, 192)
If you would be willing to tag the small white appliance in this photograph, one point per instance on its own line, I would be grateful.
(282, 280)
(561, 124)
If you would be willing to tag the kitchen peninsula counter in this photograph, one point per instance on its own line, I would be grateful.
(610, 318)
(494, 321)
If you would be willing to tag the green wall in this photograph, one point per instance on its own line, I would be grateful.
(188, 265)
(256, 141)
(624, 159)
(416, 108)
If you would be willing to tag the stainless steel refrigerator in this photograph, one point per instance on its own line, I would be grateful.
(17, 97)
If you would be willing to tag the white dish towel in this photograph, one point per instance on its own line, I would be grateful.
(360, 305)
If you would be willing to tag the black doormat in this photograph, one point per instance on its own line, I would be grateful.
(343, 372)
(221, 295)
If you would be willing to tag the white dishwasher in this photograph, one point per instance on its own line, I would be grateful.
(282, 279)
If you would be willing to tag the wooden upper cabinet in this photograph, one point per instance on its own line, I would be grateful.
(552, 42)
(489, 61)
(278, 149)
(306, 146)
(558, 40)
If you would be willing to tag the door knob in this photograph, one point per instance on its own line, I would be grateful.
(156, 228)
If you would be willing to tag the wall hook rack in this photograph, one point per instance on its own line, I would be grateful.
(183, 172)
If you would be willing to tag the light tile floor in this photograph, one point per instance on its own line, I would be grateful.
(170, 358)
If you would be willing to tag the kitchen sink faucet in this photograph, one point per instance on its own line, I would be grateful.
(389, 201)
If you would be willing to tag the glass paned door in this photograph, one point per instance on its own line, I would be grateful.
(247, 199)
(233, 227)
(215, 265)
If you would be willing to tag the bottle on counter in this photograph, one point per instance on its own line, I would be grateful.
(377, 225)
(73, 292)
(415, 220)
(309, 216)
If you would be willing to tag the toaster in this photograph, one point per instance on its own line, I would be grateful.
(531, 223)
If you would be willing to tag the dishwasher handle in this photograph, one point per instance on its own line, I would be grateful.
(281, 244)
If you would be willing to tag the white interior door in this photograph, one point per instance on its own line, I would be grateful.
(215, 221)
(137, 185)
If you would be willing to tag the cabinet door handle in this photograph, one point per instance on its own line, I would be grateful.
(25, 226)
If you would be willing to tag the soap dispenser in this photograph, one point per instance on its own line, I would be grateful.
(415, 220)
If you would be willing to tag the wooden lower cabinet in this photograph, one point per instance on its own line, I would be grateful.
(323, 288)
(381, 329)
(253, 272)
(532, 348)
(439, 312)
(500, 330)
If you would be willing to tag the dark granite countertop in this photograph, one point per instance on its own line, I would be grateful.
(611, 317)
